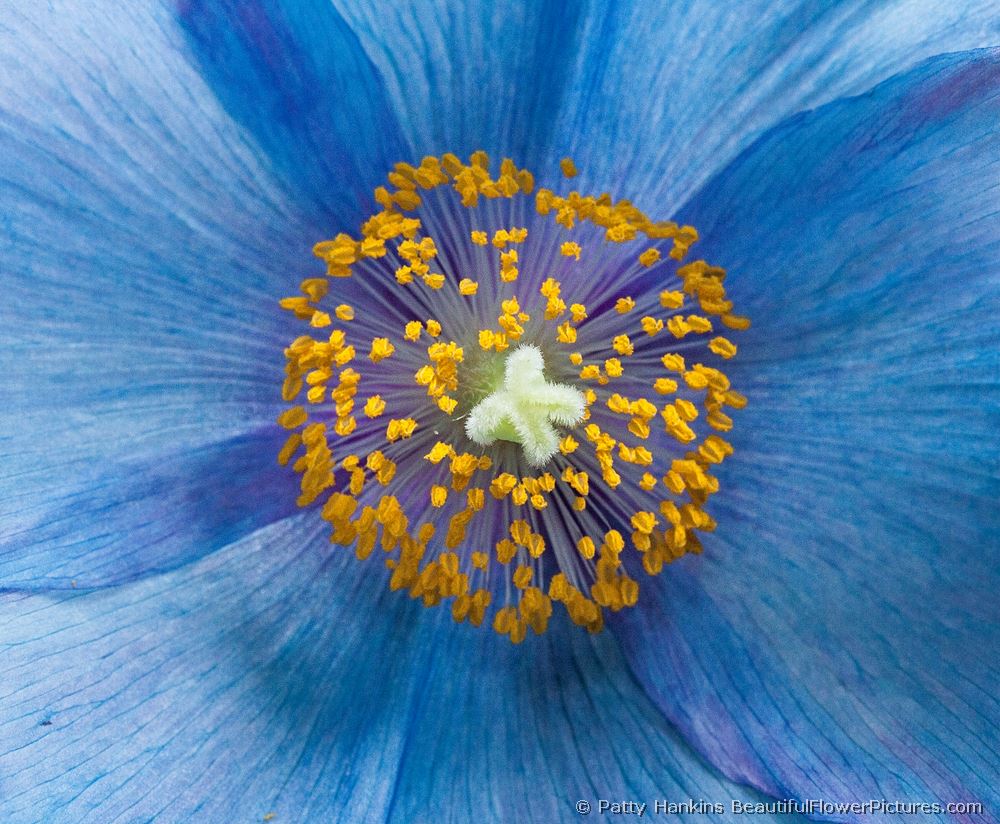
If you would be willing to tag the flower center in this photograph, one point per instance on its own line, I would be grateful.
(525, 409)
(505, 395)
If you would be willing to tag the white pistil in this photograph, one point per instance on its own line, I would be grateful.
(526, 409)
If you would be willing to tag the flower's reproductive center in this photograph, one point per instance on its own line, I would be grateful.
(526, 408)
(504, 394)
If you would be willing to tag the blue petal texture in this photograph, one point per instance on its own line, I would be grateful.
(486, 75)
(650, 98)
(281, 675)
(146, 239)
(839, 639)
(161, 183)
(295, 77)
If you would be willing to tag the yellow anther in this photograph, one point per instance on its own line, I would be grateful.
(671, 300)
(467, 287)
(320, 320)
(479, 238)
(439, 496)
(511, 327)
(679, 327)
(578, 312)
(649, 257)
(673, 362)
(475, 500)
(619, 404)
(570, 249)
(315, 288)
(554, 308)
(345, 312)
(522, 577)
(544, 201)
(585, 546)
(486, 339)
(722, 347)
(643, 409)
(685, 409)
(500, 238)
(433, 328)
(579, 481)
(614, 541)
(665, 386)
(735, 322)
(651, 326)
(568, 445)
(412, 330)
(290, 447)
(613, 367)
(345, 426)
(696, 379)
(506, 549)
(502, 485)
(447, 404)
(344, 356)
(381, 349)
(424, 375)
(699, 324)
(644, 522)
(568, 167)
(735, 399)
(520, 531)
(621, 233)
(434, 281)
(439, 452)
(719, 420)
(400, 428)
(427, 248)
(622, 344)
(566, 334)
(374, 406)
(293, 418)
(624, 305)
(590, 372)
(299, 306)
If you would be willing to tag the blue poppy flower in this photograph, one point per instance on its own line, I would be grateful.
(181, 642)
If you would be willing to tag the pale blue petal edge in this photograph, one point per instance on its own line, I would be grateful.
(280, 675)
(839, 639)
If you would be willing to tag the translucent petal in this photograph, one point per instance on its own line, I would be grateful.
(839, 638)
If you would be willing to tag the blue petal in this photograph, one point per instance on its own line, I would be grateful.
(131, 518)
(145, 244)
(839, 638)
(296, 78)
(281, 675)
(490, 75)
(665, 94)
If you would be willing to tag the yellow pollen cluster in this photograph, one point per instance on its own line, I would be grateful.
(376, 423)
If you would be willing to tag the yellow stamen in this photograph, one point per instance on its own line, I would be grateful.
(664, 483)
